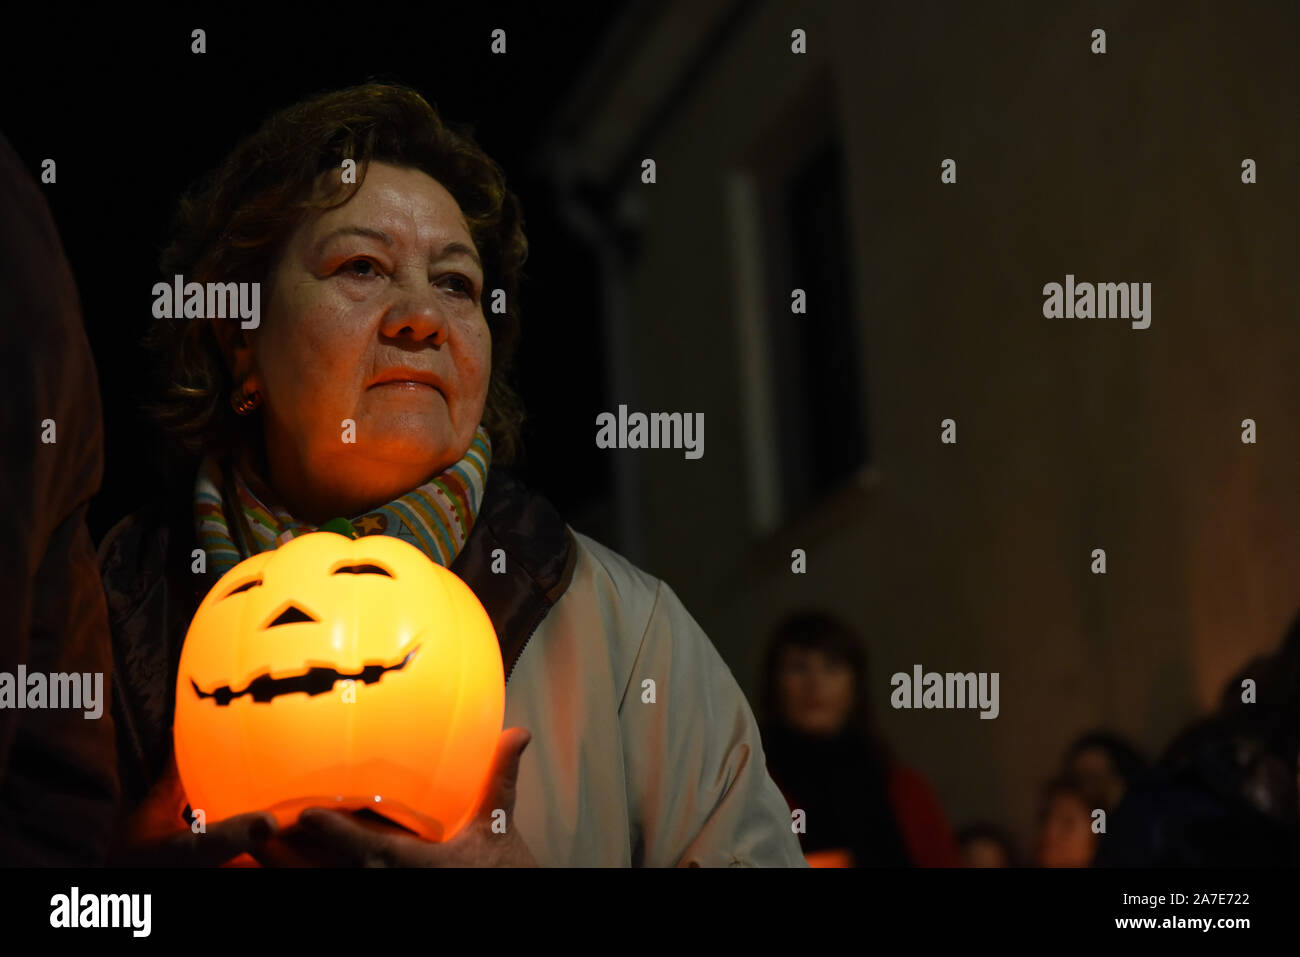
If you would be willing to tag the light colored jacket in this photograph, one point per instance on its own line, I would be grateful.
(644, 749)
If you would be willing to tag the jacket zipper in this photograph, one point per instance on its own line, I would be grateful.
(536, 624)
(567, 575)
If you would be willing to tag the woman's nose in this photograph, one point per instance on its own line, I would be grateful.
(416, 314)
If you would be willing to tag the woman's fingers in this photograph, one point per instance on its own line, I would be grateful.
(216, 845)
(357, 843)
(226, 839)
(295, 846)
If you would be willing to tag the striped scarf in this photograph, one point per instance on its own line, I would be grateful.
(436, 517)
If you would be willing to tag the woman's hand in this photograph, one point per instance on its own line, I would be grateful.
(325, 836)
(156, 834)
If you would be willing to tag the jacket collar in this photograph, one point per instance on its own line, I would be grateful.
(532, 570)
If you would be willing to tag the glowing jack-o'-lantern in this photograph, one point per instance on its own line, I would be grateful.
(340, 673)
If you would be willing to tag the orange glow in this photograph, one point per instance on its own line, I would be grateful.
(832, 858)
(409, 717)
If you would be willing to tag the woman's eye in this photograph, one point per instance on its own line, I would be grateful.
(363, 268)
(460, 285)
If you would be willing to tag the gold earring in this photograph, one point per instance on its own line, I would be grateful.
(244, 403)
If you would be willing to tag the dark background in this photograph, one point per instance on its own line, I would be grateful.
(131, 116)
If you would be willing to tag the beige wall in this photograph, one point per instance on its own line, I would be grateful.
(1073, 434)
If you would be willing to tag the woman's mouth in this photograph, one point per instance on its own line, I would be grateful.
(405, 384)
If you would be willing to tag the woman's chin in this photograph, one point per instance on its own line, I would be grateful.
(409, 437)
(417, 454)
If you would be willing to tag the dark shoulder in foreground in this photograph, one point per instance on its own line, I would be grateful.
(135, 551)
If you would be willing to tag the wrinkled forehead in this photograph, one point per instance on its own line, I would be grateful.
(406, 204)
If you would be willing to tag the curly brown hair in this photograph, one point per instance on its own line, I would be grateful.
(232, 225)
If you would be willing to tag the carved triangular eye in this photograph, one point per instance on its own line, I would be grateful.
(363, 570)
(244, 587)
(291, 615)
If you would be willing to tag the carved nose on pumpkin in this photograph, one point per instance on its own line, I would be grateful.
(291, 615)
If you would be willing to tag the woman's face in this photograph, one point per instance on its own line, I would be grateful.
(390, 280)
(816, 691)
(1065, 837)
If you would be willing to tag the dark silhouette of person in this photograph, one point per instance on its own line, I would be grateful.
(58, 778)
(1225, 793)
(1104, 764)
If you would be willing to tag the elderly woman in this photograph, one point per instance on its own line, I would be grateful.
(374, 389)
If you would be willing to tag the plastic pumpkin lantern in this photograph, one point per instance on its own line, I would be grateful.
(338, 672)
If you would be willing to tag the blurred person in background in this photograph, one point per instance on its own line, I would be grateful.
(1226, 793)
(1064, 837)
(986, 845)
(863, 807)
(1104, 764)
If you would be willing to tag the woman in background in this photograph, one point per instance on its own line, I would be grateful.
(1064, 837)
(862, 808)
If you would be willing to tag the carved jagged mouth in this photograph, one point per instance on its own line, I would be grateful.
(313, 681)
